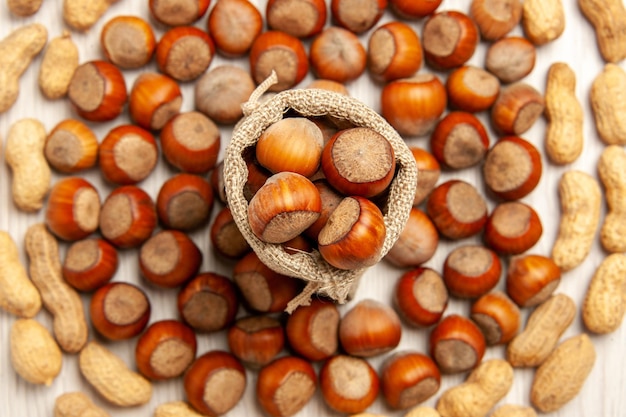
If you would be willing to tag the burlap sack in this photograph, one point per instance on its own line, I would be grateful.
(322, 278)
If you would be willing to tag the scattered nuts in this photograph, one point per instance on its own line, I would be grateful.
(89, 264)
(604, 306)
(414, 9)
(337, 54)
(497, 316)
(73, 209)
(178, 12)
(417, 242)
(176, 409)
(83, 14)
(421, 297)
(357, 16)
(495, 18)
(221, 91)
(610, 171)
(256, 340)
(119, 310)
(348, 384)
(35, 355)
(449, 39)
(234, 25)
(71, 147)
(459, 140)
(169, 258)
(394, 51)
(511, 59)
(184, 53)
(226, 238)
(517, 108)
(472, 89)
(59, 62)
(128, 41)
(154, 100)
(531, 279)
(299, 18)
(312, 330)
(510, 410)
(285, 54)
(470, 271)
(456, 344)
(127, 155)
(429, 171)
(184, 202)
(24, 8)
(512, 228)
(408, 378)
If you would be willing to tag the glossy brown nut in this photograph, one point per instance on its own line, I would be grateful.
(497, 316)
(517, 108)
(234, 25)
(71, 147)
(470, 271)
(511, 59)
(89, 264)
(226, 238)
(184, 53)
(357, 16)
(299, 18)
(208, 302)
(312, 330)
(472, 89)
(256, 340)
(337, 54)
(165, 350)
(330, 200)
(417, 242)
(409, 378)
(184, 202)
(420, 297)
(73, 209)
(154, 99)
(429, 172)
(456, 344)
(414, 9)
(512, 228)
(178, 12)
(495, 19)
(220, 92)
(282, 53)
(127, 41)
(119, 310)
(459, 140)
(348, 384)
(406, 57)
(449, 39)
(128, 154)
(531, 279)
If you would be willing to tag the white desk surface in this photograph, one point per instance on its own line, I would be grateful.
(605, 389)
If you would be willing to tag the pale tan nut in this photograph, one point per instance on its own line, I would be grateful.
(18, 295)
(510, 410)
(543, 20)
(561, 377)
(77, 404)
(83, 14)
(422, 411)
(110, 376)
(24, 153)
(564, 132)
(545, 326)
(485, 386)
(59, 62)
(35, 355)
(613, 176)
(605, 302)
(17, 51)
(24, 8)
(609, 104)
(61, 300)
(580, 215)
(176, 409)
(608, 18)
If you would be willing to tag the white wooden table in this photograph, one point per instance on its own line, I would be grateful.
(603, 393)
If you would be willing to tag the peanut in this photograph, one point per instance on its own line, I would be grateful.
(510, 410)
(421, 411)
(545, 326)
(35, 355)
(543, 20)
(77, 404)
(580, 215)
(612, 175)
(608, 18)
(562, 375)
(110, 376)
(61, 300)
(609, 104)
(18, 295)
(564, 133)
(24, 152)
(83, 14)
(175, 409)
(24, 8)
(60, 60)
(16, 53)
(605, 301)
(485, 386)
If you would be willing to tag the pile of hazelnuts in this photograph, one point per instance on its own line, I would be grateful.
(323, 190)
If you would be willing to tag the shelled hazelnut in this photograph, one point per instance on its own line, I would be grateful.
(119, 310)
(184, 53)
(208, 302)
(531, 279)
(429, 172)
(511, 59)
(97, 91)
(234, 25)
(416, 243)
(348, 384)
(449, 39)
(512, 228)
(312, 330)
(127, 217)
(457, 209)
(299, 18)
(337, 54)
(127, 155)
(165, 350)
(71, 147)
(262, 289)
(89, 264)
(73, 209)
(512, 168)
(128, 41)
(414, 9)
(226, 238)
(394, 51)
(154, 99)
(220, 92)
(215, 382)
(409, 378)
(285, 386)
(414, 105)
(495, 18)
(369, 328)
(256, 340)
(191, 142)
(420, 297)
(184, 202)
(178, 12)
(497, 316)
(283, 53)
(459, 140)
(517, 108)
(357, 16)
(456, 344)
(169, 258)
(470, 271)
(472, 89)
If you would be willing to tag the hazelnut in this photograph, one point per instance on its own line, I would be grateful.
(497, 316)
(414, 9)
(119, 310)
(512, 228)
(127, 155)
(429, 171)
(226, 238)
(337, 54)
(184, 53)
(178, 12)
(495, 18)
(234, 25)
(348, 384)
(394, 51)
(472, 89)
(89, 264)
(71, 147)
(459, 140)
(421, 297)
(449, 39)
(256, 340)
(531, 279)
(416, 243)
(470, 271)
(357, 15)
(299, 18)
(282, 53)
(154, 99)
(128, 41)
(221, 91)
(184, 202)
(517, 108)
(312, 330)
(409, 378)
(456, 344)
(73, 209)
